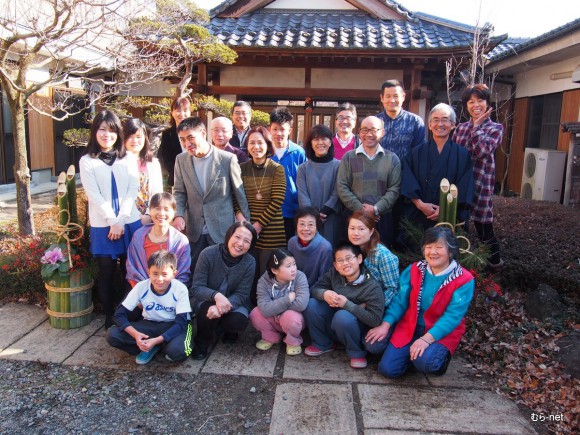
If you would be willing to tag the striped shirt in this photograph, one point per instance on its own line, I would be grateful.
(481, 142)
(265, 188)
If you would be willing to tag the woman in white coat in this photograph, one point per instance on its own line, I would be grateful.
(111, 182)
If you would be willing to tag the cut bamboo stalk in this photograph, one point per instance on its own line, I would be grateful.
(63, 213)
(451, 210)
(443, 191)
(71, 187)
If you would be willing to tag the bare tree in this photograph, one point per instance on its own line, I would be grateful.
(105, 44)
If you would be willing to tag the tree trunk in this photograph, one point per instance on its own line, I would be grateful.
(21, 170)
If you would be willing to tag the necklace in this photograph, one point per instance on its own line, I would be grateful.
(159, 240)
(258, 195)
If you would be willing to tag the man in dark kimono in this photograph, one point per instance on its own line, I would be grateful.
(426, 165)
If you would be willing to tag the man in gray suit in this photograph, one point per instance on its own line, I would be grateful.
(208, 189)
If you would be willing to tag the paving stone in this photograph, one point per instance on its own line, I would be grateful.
(95, 352)
(460, 374)
(48, 344)
(403, 432)
(334, 366)
(313, 409)
(17, 320)
(441, 410)
(242, 358)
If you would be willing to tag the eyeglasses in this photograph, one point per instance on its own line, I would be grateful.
(444, 121)
(347, 259)
(345, 118)
(370, 130)
(309, 226)
(220, 130)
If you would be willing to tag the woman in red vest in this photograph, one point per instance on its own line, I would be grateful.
(428, 312)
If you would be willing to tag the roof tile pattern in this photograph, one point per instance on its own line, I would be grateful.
(343, 30)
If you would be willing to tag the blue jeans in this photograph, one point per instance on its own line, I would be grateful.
(396, 361)
(327, 325)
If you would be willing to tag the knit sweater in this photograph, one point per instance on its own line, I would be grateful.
(273, 297)
(364, 181)
(367, 292)
(212, 274)
(317, 188)
(314, 259)
(269, 181)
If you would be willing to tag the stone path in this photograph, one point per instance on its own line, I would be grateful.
(313, 395)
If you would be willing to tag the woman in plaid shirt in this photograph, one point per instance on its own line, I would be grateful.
(481, 136)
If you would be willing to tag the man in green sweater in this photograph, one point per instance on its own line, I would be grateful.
(344, 304)
(369, 178)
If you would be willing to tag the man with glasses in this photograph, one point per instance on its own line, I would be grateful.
(208, 189)
(345, 140)
(221, 133)
(426, 165)
(403, 130)
(369, 178)
(242, 116)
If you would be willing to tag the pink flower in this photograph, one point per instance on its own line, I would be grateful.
(52, 256)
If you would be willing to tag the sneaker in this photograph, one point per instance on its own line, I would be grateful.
(496, 267)
(230, 337)
(168, 358)
(199, 352)
(358, 363)
(146, 357)
(264, 345)
(314, 351)
(293, 350)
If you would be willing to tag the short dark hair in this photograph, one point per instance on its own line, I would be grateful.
(434, 234)
(267, 137)
(161, 259)
(132, 126)
(176, 103)
(479, 90)
(345, 245)
(281, 115)
(308, 211)
(191, 123)
(156, 200)
(316, 132)
(392, 84)
(276, 258)
(348, 107)
(241, 103)
(112, 121)
(245, 224)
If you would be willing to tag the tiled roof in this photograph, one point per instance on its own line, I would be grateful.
(538, 40)
(343, 30)
(506, 47)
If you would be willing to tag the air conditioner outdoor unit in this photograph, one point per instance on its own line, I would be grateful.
(543, 174)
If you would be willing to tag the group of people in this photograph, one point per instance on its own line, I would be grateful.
(261, 230)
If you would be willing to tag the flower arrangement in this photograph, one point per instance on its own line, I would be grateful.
(57, 258)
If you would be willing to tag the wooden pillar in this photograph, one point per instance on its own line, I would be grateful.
(202, 88)
(415, 85)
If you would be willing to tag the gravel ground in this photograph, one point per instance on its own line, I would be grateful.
(40, 398)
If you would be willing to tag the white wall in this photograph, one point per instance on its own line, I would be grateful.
(352, 78)
(538, 82)
(310, 4)
(262, 77)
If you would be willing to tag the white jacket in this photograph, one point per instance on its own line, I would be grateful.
(96, 180)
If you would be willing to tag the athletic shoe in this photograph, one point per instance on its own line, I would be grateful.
(314, 351)
(358, 363)
(264, 345)
(293, 350)
(146, 357)
(199, 352)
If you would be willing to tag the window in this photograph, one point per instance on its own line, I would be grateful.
(544, 121)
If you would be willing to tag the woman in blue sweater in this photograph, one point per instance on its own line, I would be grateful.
(313, 253)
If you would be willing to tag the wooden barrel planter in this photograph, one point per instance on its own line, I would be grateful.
(70, 301)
